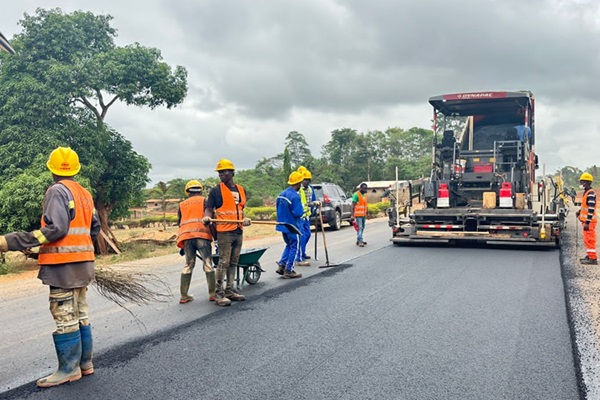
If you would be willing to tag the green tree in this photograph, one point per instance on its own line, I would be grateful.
(298, 149)
(287, 164)
(57, 90)
(163, 192)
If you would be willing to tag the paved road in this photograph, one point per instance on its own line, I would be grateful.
(400, 323)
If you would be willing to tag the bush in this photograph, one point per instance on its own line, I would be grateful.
(260, 213)
(377, 209)
(255, 202)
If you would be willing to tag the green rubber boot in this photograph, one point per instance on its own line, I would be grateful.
(186, 279)
(211, 281)
(68, 351)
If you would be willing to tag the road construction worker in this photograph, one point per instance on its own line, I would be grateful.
(309, 200)
(69, 227)
(226, 202)
(588, 217)
(194, 237)
(290, 210)
(359, 213)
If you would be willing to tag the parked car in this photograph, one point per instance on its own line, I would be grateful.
(336, 205)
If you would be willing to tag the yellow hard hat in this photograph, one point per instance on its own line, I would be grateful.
(64, 161)
(295, 178)
(586, 176)
(193, 186)
(224, 164)
(307, 174)
(301, 169)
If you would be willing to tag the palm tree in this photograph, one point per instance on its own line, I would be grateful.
(163, 191)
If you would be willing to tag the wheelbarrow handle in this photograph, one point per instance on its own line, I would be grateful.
(293, 228)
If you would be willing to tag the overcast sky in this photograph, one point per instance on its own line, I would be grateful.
(259, 69)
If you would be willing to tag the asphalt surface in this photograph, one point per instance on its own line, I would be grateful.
(398, 323)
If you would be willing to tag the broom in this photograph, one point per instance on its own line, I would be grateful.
(136, 287)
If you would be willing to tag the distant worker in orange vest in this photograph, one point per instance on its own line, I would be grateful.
(359, 213)
(588, 217)
(194, 237)
(69, 227)
(226, 201)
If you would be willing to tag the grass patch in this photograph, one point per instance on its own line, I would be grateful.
(16, 263)
(136, 251)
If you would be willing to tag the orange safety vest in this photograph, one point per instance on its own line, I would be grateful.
(360, 208)
(583, 213)
(191, 225)
(77, 245)
(230, 210)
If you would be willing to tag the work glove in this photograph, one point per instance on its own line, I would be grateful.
(3, 245)
(247, 222)
(352, 219)
(206, 220)
(586, 226)
(181, 252)
(316, 203)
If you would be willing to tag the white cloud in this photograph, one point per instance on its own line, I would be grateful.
(261, 68)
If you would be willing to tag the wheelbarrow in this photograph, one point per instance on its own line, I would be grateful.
(248, 262)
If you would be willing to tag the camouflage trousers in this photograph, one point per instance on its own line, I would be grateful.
(203, 247)
(69, 308)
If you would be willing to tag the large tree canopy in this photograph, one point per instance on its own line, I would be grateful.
(57, 89)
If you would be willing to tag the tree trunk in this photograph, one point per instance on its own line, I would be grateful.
(102, 246)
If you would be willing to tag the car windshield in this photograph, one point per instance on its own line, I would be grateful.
(318, 192)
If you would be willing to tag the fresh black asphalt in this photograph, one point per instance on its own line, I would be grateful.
(399, 323)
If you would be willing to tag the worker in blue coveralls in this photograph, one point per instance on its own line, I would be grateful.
(309, 200)
(290, 211)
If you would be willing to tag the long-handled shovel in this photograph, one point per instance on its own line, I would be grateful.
(327, 263)
(316, 237)
(291, 227)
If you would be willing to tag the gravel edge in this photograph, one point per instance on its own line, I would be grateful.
(586, 349)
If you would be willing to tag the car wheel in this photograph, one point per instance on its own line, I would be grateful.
(336, 224)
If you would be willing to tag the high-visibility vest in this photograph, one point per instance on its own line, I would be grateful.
(77, 245)
(191, 225)
(305, 197)
(360, 208)
(585, 209)
(230, 210)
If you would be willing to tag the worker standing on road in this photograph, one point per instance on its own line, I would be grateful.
(69, 227)
(359, 213)
(309, 200)
(290, 210)
(588, 217)
(226, 202)
(194, 236)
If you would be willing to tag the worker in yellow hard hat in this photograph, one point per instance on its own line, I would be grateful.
(588, 216)
(69, 227)
(194, 237)
(226, 202)
(289, 211)
(309, 201)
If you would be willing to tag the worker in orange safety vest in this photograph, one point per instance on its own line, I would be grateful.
(194, 237)
(359, 213)
(69, 226)
(587, 215)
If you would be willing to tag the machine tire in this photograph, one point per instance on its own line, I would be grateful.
(336, 224)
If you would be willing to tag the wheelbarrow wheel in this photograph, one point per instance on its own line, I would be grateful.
(253, 273)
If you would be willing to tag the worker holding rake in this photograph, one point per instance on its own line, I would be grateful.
(69, 227)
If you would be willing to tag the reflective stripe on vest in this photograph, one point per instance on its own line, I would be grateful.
(585, 207)
(191, 225)
(77, 245)
(360, 208)
(230, 210)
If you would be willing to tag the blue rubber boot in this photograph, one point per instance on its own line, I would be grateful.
(68, 351)
(87, 347)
